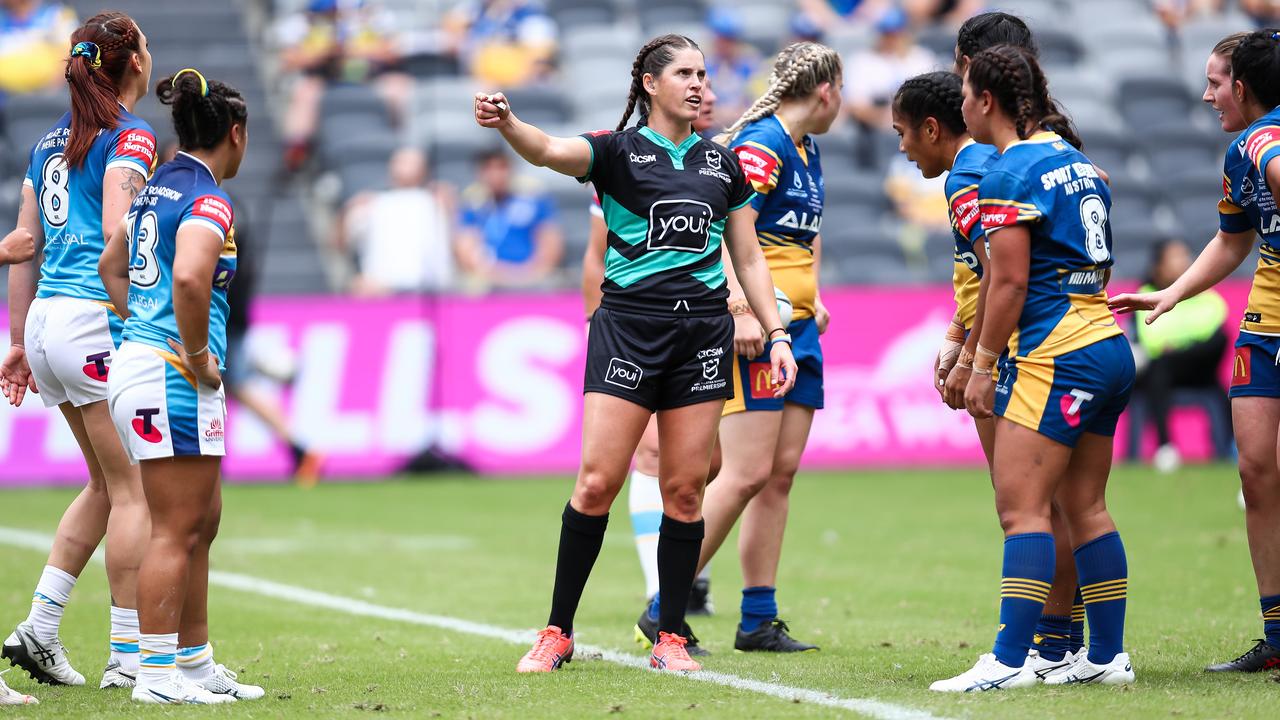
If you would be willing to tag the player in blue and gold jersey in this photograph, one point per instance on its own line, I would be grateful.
(166, 392)
(1067, 376)
(1248, 96)
(82, 174)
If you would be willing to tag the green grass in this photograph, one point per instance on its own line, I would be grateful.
(894, 574)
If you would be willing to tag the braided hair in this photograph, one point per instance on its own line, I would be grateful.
(652, 58)
(799, 70)
(993, 28)
(1256, 63)
(100, 53)
(1013, 77)
(204, 111)
(937, 95)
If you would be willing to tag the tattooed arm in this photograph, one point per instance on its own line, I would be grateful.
(119, 187)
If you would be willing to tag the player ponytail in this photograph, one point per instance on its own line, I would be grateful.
(1256, 64)
(101, 51)
(656, 55)
(1013, 77)
(993, 28)
(799, 70)
(936, 95)
(204, 111)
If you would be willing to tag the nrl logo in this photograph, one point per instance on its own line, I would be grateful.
(713, 159)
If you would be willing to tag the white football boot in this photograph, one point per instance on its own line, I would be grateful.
(1045, 668)
(114, 677)
(223, 682)
(177, 690)
(9, 696)
(45, 662)
(988, 674)
(1117, 672)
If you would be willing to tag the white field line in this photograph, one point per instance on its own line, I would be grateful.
(352, 606)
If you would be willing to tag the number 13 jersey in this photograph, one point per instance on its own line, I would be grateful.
(70, 201)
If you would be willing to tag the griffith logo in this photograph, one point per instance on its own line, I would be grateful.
(214, 432)
(96, 366)
(145, 427)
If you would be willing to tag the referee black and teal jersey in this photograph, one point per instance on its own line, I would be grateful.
(1069, 369)
(790, 191)
(665, 206)
(970, 165)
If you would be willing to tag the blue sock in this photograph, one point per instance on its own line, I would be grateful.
(1024, 586)
(1077, 623)
(653, 607)
(1271, 619)
(759, 606)
(1053, 636)
(1104, 585)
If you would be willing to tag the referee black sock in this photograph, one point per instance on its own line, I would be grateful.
(679, 544)
(580, 539)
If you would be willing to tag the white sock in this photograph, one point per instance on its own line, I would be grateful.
(124, 639)
(158, 659)
(196, 662)
(645, 503)
(48, 602)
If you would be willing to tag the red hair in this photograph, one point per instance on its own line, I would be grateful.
(95, 76)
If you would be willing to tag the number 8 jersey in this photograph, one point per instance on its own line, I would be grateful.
(70, 201)
(1053, 188)
(183, 192)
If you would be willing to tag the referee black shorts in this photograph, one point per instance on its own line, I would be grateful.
(660, 362)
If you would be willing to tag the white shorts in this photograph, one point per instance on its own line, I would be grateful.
(159, 411)
(70, 343)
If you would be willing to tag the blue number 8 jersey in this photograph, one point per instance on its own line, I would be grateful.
(70, 201)
(182, 192)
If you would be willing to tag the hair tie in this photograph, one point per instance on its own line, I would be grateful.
(90, 52)
(1275, 36)
(204, 85)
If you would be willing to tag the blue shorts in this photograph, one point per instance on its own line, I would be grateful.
(758, 395)
(1061, 398)
(1254, 372)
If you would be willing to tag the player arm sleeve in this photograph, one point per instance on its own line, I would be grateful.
(966, 217)
(760, 164)
(1231, 217)
(134, 148)
(212, 212)
(1004, 201)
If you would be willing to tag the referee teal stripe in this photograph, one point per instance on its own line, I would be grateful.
(629, 227)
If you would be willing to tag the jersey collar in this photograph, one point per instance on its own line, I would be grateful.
(804, 156)
(1038, 139)
(676, 152)
(200, 162)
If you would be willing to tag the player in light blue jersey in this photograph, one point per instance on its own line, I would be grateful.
(166, 391)
(82, 175)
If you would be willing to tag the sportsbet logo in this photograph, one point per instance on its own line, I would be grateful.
(683, 225)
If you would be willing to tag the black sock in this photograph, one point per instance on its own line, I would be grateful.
(580, 539)
(296, 452)
(679, 544)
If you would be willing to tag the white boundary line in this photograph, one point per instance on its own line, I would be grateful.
(352, 606)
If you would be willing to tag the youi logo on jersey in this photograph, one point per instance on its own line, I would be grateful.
(683, 225)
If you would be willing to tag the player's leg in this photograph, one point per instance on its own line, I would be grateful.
(1051, 650)
(644, 502)
(764, 522)
(986, 428)
(1257, 421)
(748, 441)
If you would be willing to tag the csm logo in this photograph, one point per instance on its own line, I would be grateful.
(623, 374)
(643, 158)
(683, 225)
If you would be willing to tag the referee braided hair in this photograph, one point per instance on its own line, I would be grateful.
(652, 58)
(799, 69)
(1256, 63)
(1013, 77)
(937, 95)
(203, 110)
(100, 53)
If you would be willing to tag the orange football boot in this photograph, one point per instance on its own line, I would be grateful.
(670, 654)
(551, 650)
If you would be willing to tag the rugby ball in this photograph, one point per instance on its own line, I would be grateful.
(784, 306)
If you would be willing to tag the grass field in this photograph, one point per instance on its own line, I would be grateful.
(895, 574)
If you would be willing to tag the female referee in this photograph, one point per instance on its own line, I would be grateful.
(662, 337)
(1068, 374)
(166, 388)
(1250, 183)
(83, 174)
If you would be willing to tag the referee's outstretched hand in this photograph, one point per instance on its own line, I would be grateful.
(1158, 303)
(492, 110)
(783, 371)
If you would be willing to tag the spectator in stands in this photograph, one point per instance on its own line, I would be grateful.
(1182, 351)
(33, 44)
(947, 12)
(338, 41)
(506, 43)
(1176, 13)
(732, 63)
(832, 14)
(400, 236)
(1266, 13)
(875, 74)
(508, 234)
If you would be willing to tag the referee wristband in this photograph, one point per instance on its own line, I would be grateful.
(784, 338)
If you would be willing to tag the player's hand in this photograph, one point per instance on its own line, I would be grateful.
(957, 382)
(15, 376)
(821, 316)
(979, 396)
(1159, 303)
(748, 336)
(17, 247)
(782, 371)
(492, 110)
(204, 365)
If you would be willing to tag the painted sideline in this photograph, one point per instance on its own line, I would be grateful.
(351, 606)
